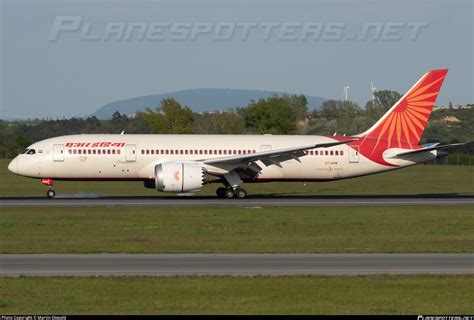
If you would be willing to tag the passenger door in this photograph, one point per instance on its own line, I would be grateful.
(58, 152)
(353, 154)
(130, 153)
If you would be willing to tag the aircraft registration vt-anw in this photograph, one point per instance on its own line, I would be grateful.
(185, 163)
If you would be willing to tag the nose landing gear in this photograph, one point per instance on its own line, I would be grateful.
(49, 182)
(50, 193)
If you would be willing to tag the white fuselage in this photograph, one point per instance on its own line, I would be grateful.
(134, 157)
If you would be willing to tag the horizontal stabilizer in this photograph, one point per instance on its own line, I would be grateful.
(435, 147)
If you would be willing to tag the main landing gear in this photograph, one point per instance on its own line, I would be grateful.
(229, 193)
(49, 182)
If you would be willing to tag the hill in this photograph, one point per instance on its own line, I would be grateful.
(199, 100)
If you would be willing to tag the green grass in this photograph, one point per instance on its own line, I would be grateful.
(232, 229)
(229, 295)
(429, 180)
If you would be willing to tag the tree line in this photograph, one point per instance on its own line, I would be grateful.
(286, 114)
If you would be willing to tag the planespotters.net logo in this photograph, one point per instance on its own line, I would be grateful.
(81, 29)
(433, 317)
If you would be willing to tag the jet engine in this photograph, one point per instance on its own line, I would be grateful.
(179, 177)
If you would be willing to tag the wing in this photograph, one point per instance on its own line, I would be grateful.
(272, 157)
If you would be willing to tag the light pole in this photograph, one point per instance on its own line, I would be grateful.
(346, 88)
(372, 88)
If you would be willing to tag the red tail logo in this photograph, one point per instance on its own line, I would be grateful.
(406, 120)
(403, 125)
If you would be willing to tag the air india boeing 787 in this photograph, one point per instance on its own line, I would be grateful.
(185, 163)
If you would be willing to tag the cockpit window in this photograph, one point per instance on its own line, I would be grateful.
(24, 151)
(31, 151)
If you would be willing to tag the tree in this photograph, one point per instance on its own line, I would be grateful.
(385, 99)
(219, 123)
(337, 116)
(272, 115)
(169, 117)
(298, 105)
(119, 122)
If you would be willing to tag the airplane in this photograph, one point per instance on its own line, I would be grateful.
(185, 163)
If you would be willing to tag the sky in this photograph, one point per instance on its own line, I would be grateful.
(68, 58)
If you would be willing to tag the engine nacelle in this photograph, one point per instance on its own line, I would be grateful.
(179, 177)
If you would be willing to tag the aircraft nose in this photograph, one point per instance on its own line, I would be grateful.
(13, 166)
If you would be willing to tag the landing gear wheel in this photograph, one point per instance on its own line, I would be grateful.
(229, 193)
(220, 192)
(240, 193)
(51, 194)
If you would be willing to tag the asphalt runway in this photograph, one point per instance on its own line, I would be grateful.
(252, 201)
(233, 264)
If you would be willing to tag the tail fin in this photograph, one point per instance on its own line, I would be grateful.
(405, 122)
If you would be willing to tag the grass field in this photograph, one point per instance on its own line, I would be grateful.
(230, 295)
(429, 180)
(231, 229)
